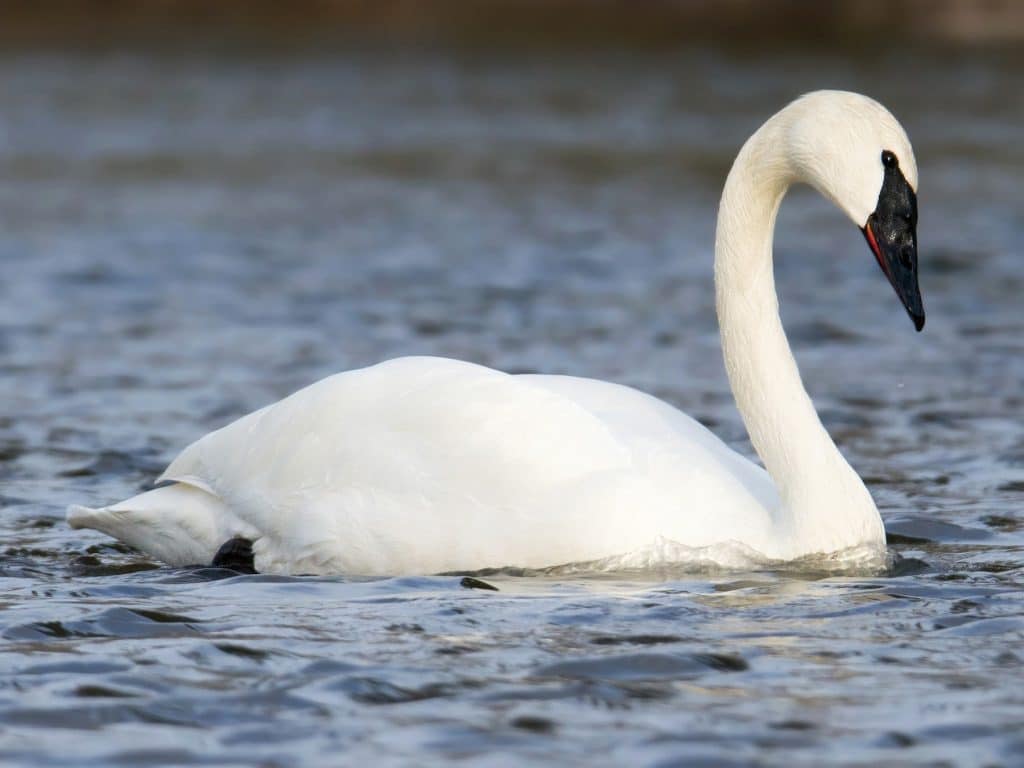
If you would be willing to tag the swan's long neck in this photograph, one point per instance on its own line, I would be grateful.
(825, 505)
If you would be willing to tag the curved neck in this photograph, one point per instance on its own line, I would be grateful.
(825, 506)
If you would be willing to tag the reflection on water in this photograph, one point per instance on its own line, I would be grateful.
(186, 239)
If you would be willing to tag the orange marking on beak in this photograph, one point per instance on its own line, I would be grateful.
(877, 251)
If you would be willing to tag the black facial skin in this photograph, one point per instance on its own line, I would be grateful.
(891, 231)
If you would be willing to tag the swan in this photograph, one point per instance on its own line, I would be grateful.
(423, 465)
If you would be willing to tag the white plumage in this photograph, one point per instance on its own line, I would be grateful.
(426, 465)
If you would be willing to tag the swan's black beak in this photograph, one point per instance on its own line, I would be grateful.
(891, 231)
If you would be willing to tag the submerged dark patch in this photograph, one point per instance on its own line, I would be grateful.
(471, 582)
(235, 554)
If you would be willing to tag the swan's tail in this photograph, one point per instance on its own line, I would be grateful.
(178, 524)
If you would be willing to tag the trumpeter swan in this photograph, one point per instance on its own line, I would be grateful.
(426, 465)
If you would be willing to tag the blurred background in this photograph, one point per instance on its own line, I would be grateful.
(508, 22)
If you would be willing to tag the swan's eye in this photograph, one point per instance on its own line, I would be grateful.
(889, 159)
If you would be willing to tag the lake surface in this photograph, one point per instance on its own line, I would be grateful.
(185, 239)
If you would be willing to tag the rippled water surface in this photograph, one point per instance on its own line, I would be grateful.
(186, 239)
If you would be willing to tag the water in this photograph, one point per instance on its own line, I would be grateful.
(186, 239)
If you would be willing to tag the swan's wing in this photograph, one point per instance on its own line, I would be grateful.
(415, 464)
(646, 424)
(715, 493)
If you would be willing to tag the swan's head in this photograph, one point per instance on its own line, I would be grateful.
(852, 150)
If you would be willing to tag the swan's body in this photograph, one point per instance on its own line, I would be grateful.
(425, 465)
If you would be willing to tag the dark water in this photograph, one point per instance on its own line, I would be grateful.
(186, 239)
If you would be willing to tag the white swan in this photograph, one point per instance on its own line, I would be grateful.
(426, 465)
